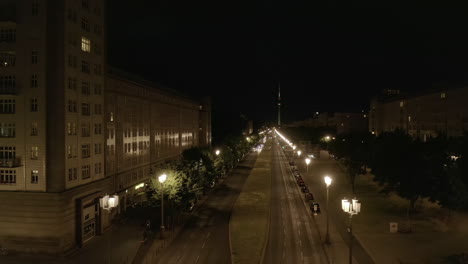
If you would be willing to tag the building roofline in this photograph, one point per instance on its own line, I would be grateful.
(134, 78)
(405, 96)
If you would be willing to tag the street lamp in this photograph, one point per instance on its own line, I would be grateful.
(162, 179)
(294, 147)
(351, 207)
(107, 203)
(307, 161)
(299, 153)
(328, 181)
(217, 152)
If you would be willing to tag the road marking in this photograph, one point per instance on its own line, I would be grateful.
(203, 246)
(300, 243)
(196, 261)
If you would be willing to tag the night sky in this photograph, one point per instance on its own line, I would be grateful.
(327, 59)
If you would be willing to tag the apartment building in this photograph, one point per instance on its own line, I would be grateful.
(70, 132)
(422, 115)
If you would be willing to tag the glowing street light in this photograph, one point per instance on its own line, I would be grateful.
(217, 152)
(307, 161)
(351, 207)
(328, 181)
(162, 179)
(107, 203)
(294, 147)
(299, 153)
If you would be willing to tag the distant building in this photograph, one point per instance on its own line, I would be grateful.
(71, 130)
(341, 122)
(421, 115)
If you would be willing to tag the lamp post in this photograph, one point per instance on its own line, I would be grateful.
(107, 203)
(328, 181)
(307, 161)
(162, 179)
(299, 153)
(351, 207)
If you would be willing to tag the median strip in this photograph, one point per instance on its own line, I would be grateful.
(249, 224)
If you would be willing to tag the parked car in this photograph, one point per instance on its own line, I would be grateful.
(304, 189)
(291, 163)
(315, 208)
(301, 184)
(309, 196)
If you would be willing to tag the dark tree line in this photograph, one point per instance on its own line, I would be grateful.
(436, 169)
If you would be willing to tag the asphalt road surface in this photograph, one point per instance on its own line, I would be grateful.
(293, 238)
(205, 238)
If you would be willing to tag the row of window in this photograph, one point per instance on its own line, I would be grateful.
(85, 172)
(134, 146)
(85, 86)
(7, 130)
(85, 108)
(9, 177)
(85, 150)
(8, 83)
(9, 106)
(9, 153)
(7, 35)
(85, 66)
(133, 132)
(85, 129)
(85, 24)
(8, 58)
(87, 45)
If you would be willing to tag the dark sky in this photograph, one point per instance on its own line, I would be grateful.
(327, 59)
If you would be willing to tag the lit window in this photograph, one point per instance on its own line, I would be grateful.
(85, 44)
(402, 104)
(34, 176)
(34, 152)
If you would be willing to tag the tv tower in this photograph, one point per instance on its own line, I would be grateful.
(279, 104)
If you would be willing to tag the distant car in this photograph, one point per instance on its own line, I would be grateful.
(309, 196)
(291, 163)
(315, 208)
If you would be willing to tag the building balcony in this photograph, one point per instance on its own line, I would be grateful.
(10, 163)
(8, 90)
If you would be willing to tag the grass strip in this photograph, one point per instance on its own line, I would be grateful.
(250, 218)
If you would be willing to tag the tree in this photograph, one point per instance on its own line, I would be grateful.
(173, 187)
(354, 150)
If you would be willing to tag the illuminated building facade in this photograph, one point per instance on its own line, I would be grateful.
(64, 141)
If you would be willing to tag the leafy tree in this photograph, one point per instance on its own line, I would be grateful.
(397, 164)
(354, 149)
(173, 187)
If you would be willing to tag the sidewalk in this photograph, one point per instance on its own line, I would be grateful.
(117, 245)
(433, 240)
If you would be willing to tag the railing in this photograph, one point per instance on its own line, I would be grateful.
(10, 163)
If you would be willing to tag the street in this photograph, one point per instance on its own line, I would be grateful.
(293, 237)
(205, 238)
